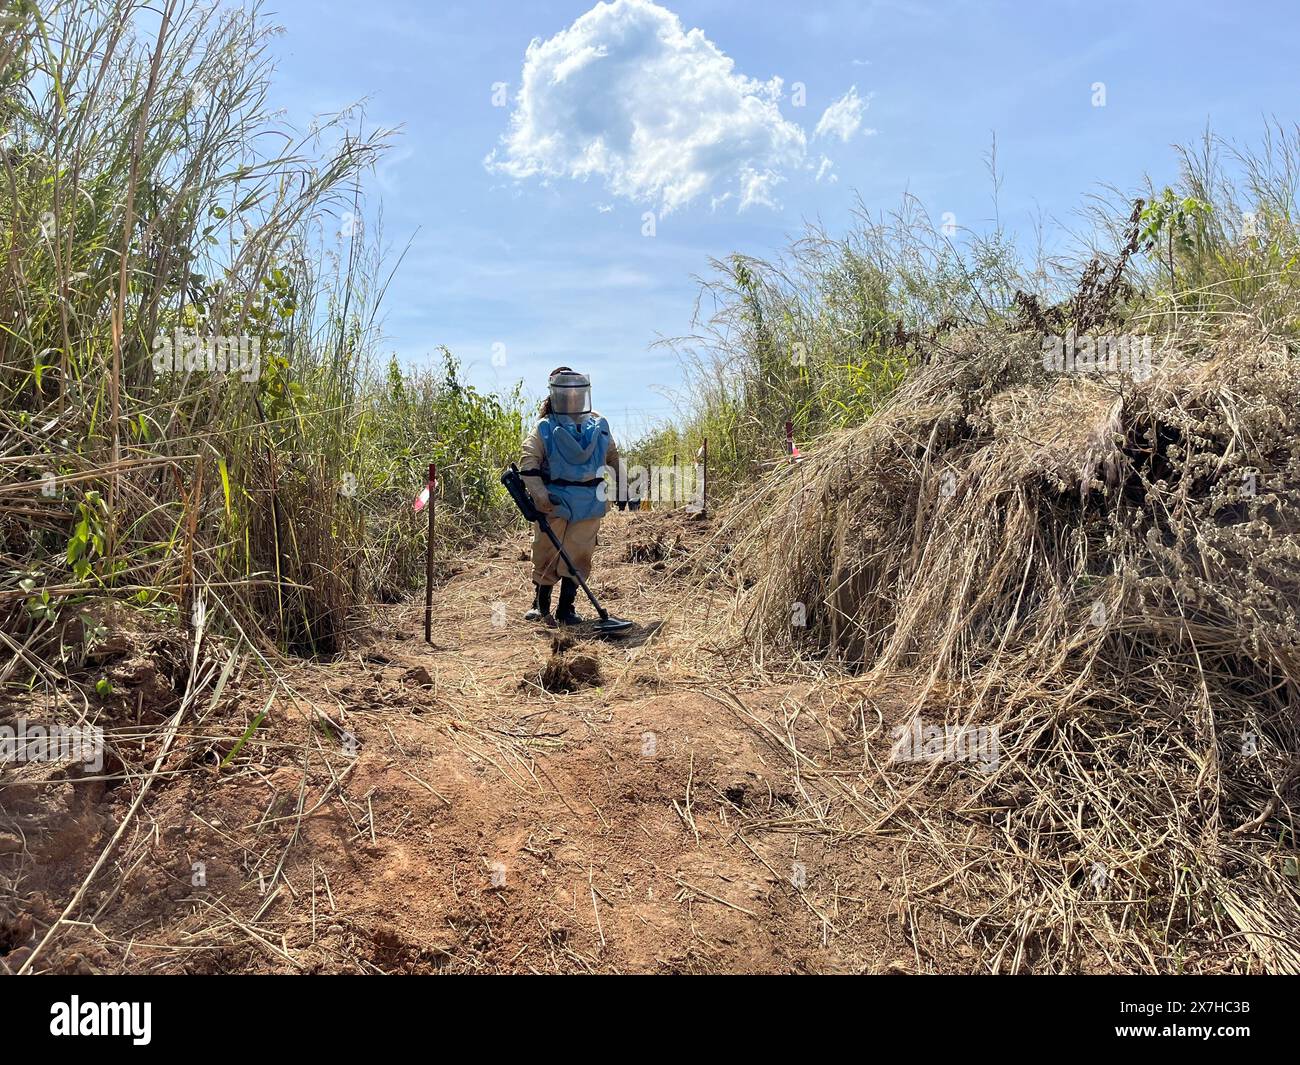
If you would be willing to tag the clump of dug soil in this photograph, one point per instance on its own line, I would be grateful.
(569, 669)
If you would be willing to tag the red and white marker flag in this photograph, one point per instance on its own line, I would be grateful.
(422, 500)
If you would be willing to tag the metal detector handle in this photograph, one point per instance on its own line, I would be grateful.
(514, 484)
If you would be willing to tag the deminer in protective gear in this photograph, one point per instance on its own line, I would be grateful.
(563, 466)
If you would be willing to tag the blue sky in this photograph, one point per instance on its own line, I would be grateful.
(528, 218)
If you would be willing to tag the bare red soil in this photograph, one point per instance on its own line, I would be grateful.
(512, 798)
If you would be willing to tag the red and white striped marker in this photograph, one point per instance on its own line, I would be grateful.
(422, 500)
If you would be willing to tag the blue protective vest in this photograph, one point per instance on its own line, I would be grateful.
(575, 452)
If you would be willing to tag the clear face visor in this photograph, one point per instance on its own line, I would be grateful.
(570, 393)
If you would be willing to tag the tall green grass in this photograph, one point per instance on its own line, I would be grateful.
(822, 336)
(146, 187)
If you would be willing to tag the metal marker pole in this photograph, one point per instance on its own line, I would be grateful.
(428, 558)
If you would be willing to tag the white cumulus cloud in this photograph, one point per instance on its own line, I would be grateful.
(656, 112)
(843, 118)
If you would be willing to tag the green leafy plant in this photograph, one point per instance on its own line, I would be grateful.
(86, 544)
(39, 605)
(1175, 221)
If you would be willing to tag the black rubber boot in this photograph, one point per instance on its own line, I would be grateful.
(566, 615)
(541, 608)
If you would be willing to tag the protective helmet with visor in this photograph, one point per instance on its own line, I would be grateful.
(570, 392)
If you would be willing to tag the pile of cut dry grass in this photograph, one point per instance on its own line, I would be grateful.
(1107, 573)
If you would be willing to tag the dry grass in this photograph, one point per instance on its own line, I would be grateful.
(1107, 573)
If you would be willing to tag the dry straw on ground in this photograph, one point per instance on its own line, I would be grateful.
(1108, 572)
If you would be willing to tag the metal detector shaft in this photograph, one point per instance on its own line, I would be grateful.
(546, 528)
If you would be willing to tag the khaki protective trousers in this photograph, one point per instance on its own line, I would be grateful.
(579, 540)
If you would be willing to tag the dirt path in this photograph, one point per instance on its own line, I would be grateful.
(410, 808)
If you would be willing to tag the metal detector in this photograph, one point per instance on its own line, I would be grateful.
(608, 625)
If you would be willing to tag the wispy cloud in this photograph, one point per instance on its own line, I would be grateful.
(843, 118)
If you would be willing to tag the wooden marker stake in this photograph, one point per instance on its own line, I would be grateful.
(428, 558)
(704, 478)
